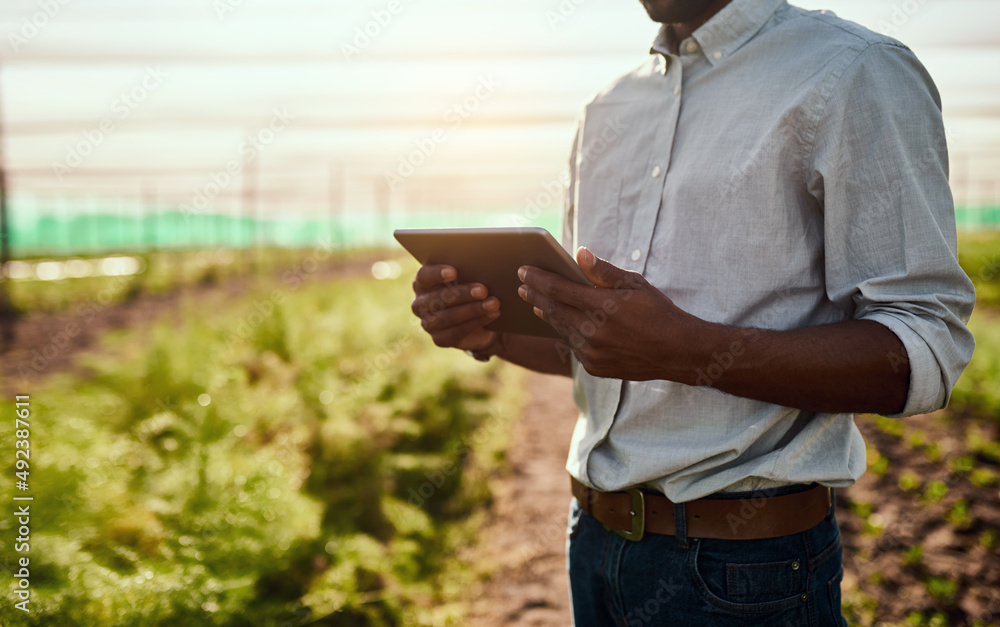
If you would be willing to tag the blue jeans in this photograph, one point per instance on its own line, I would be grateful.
(790, 581)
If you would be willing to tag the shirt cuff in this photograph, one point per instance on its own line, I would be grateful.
(926, 393)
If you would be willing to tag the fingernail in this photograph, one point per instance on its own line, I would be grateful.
(585, 256)
(522, 292)
(521, 272)
(448, 274)
(491, 305)
(538, 312)
(478, 292)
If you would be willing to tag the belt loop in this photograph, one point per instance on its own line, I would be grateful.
(680, 525)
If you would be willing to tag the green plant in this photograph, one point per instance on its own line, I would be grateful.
(325, 465)
(935, 491)
(916, 439)
(988, 540)
(958, 514)
(933, 452)
(913, 555)
(889, 426)
(910, 481)
(881, 466)
(978, 389)
(941, 589)
(962, 465)
(984, 477)
(981, 445)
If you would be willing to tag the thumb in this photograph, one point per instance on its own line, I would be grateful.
(600, 272)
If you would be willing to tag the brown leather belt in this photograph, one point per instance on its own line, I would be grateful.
(635, 512)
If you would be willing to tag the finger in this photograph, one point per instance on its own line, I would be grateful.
(558, 288)
(429, 277)
(447, 295)
(453, 336)
(563, 318)
(460, 314)
(603, 273)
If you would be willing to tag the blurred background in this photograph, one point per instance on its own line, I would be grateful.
(237, 415)
(438, 112)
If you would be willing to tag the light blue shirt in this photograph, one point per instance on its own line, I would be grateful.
(787, 169)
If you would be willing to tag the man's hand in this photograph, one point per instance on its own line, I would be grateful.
(624, 328)
(454, 314)
(627, 329)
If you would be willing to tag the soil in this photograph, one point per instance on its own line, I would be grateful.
(526, 538)
(43, 343)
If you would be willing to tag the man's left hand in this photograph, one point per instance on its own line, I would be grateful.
(624, 328)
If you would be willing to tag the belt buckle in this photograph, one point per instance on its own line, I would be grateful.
(638, 514)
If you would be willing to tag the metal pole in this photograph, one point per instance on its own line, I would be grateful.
(149, 215)
(249, 203)
(337, 194)
(382, 203)
(7, 317)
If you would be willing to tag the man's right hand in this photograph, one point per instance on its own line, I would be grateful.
(454, 314)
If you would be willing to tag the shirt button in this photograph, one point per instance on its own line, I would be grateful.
(716, 55)
(636, 254)
(690, 46)
(677, 90)
(656, 171)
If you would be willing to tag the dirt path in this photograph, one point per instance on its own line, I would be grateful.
(954, 577)
(527, 538)
(45, 343)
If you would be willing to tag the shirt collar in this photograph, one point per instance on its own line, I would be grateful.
(727, 31)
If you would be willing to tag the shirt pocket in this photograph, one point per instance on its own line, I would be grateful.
(598, 219)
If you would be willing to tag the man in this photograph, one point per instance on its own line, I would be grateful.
(764, 209)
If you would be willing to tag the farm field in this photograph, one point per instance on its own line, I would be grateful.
(296, 455)
(291, 450)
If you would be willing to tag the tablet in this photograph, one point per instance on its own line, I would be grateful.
(491, 256)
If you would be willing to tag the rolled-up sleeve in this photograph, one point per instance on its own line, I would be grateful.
(879, 169)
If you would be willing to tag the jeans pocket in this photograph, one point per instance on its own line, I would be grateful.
(761, 583)
(750, 585)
